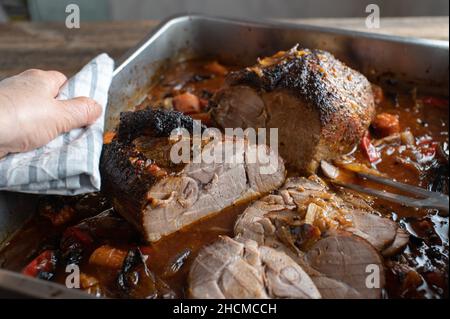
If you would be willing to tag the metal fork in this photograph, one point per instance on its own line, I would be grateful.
(428, 199)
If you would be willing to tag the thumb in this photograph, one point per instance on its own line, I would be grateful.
(77, 112)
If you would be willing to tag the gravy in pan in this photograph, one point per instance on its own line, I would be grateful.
(419, 157)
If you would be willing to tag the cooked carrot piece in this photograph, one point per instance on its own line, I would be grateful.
(186, 103)
(108, 137)
(87, 281)
(107, 256)
(216, 68)
(386, 124)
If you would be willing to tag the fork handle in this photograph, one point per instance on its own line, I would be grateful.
(441, 203)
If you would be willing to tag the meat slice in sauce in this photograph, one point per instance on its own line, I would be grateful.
(159, 196)
(349, 259)
(241, 269)
(303, 214)
(320, 106)
(303, 198)
(400, 241)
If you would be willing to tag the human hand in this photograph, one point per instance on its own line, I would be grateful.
(30, 114)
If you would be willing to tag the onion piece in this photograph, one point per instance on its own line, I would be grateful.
(407, 138)
(329, 170)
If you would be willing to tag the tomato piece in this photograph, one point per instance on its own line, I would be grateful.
(435, 101)
(43, 266)
(369, 149)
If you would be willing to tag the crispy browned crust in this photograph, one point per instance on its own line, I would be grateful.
(342, 96)
(123, 183)
(152, 123)
(124, 178)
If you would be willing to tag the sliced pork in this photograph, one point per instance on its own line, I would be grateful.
(350, 260)
(320, 106)
(242, 269)
(309, 201)
(305, 216)
(159, 195)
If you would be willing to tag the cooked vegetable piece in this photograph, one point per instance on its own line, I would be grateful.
(43, 266)
(306, 235)
(386, 124)
(107, 256)
(186, 103)
(136, 281)
(369, 149)
(216, 68)
(407, 138)
(91, 285)
(357, 168)
(329, 170)
(74, 243)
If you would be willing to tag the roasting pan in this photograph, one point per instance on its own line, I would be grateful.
(391, 60)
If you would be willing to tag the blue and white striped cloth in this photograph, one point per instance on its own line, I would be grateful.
(68, 165)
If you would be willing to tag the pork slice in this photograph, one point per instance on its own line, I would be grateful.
(320, 106)
(351, 260)
(298, 195)
(334, 289)
(276, 219)
(399, 243)
(242, 269)
(159, 196)
(380, 232)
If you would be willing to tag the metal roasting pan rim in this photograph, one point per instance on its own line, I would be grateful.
(30, 288)
(131, 54)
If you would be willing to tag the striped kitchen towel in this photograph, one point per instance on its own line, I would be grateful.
(68, 165)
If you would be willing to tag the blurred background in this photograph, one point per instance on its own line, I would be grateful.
(54, 10)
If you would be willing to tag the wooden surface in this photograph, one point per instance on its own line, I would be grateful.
(26, 45)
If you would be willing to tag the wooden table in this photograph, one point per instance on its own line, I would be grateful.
(26, 45)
